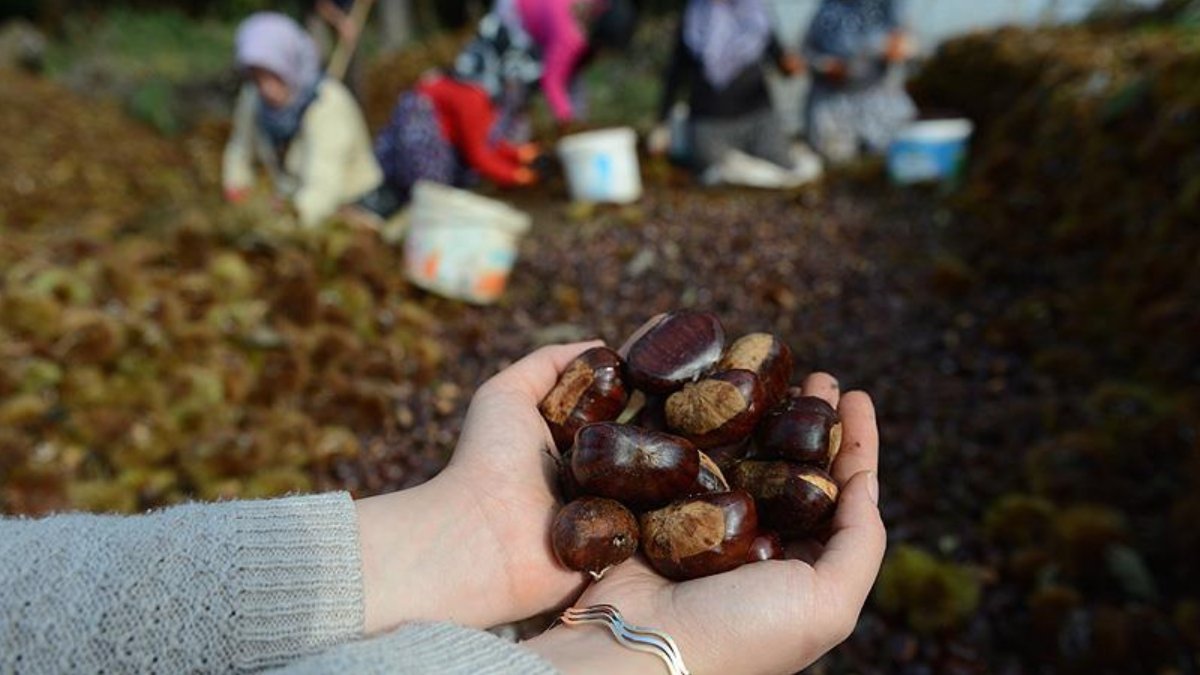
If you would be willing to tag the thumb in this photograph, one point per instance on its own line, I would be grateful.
(852, 557)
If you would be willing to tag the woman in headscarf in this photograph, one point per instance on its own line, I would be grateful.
(305, 129)
(464, 122)
(567, 33)
(856, 103)
(720, 54)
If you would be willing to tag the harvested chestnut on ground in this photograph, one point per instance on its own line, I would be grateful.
(673, 349)
(804, 429)
(590, 389)
(643, 469)
(795, 500)
(766, 546)
(710, 478)
(764, 355)
(699, 536)
(718, 410)
(592, 534)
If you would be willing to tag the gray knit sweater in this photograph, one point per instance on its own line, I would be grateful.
(228, 587)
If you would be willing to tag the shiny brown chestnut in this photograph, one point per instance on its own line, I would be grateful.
(725, 456)
(592, 534)
(764, 355)
(590, 389)
(720, 409)
(672, 349)
(804, 429)
(766, 546)
(643, 469)
(795, 500)
(699, 536)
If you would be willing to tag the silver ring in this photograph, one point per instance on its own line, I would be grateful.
(635, 637)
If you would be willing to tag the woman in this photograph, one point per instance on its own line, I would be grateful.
(567, 33)
(305, 129)
(719, 56)
(446, 130)
(855, 102)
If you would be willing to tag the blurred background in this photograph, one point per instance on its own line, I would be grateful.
(1029, 327)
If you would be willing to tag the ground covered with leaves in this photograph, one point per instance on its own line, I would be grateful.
(1040, 456)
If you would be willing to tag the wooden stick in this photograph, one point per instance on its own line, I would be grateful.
(340, 60)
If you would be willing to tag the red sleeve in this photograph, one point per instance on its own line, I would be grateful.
(471, 117)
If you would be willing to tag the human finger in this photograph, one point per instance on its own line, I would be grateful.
(860, 437)
(850, 562)
(534, 375)
(823, 386)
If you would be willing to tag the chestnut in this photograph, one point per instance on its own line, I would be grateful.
(592, 534)
(725, 456)
(710, 478)
(795, 500)
(803, 429)
(643, 469)
(766, 546)
(590, 389)
(699, 536)
(672, 349)
(764, 355)
(718, 410)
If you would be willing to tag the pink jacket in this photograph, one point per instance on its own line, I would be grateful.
(556, 28)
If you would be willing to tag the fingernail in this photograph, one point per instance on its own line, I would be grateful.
(873, 487)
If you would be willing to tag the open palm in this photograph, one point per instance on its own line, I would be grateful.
(775, 616)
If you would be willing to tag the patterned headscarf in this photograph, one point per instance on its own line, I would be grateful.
(726, 36)
(274, 42)
(850, 28)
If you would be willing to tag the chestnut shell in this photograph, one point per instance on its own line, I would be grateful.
(590, 389)
(766, 356)
(699, 536)
(642, 469)
(592, 534)
(795, 500)
(718, 410)
(673, 349)
(804, 429)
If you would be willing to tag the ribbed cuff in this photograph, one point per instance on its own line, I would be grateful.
(297, 585)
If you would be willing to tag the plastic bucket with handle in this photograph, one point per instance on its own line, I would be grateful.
(602, 165)
(460, 244)
(929, 151)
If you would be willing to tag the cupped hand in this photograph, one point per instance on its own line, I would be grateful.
(775, 616)
(471, 545)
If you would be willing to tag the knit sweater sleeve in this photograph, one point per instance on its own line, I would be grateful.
(235, 586)
(425, 649)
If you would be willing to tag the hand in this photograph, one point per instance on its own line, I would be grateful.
(471, 545)
(525, 177)
(899, 47)
(236, 195)
(659, 140)
(527, 153)
(791, 63)
(768, 617)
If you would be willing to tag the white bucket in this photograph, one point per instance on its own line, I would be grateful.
(460, 244)
(929, 150)
(602, 166)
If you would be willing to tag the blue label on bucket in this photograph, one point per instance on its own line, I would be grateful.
(602, 174)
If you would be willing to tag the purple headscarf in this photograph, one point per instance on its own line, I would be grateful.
(726, 36)
(274, 42)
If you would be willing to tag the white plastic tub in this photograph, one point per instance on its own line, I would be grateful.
(460, 244)
(929, 151)
(602, 165)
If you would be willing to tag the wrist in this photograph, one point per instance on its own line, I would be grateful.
(582, 650)
(422, 559)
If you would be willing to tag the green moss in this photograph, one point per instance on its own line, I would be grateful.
(931, 595)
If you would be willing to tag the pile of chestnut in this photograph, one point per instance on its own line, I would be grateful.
(698, 451)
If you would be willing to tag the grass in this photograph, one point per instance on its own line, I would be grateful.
(138, 44)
